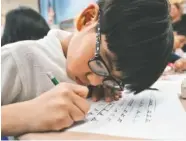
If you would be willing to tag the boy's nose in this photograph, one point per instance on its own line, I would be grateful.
(95, 79)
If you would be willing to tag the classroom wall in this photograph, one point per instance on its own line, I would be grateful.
(7, 5)
(64, 9)
(71, 8)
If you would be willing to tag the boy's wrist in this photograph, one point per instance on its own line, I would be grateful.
(16, 119)
(29, 116)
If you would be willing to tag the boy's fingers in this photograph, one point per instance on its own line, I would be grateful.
(97, 93)
(108, 99)
(80, 90)
(120, 96)
(119, 93)
(76, 113)
(94, 99)
(116, 97)
(109, 95)
(112, 95)
(67, 122)
(81, 103)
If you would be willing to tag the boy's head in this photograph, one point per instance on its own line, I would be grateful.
(136, 41)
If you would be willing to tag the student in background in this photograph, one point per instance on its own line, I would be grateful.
(177, 56)
(116, 43)
(179, 62)
(23, 24)
(176, 13)
(179, 42)
(178, 21)
(173, 58)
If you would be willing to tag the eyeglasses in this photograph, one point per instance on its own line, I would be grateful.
(99, 67)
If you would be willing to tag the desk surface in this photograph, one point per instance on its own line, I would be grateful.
(75, 135)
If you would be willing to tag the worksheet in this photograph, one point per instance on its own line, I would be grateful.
(130, 109)
(174, 77)
(150, 114)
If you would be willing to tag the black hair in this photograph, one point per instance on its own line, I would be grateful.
(23, 24)
(139, 33)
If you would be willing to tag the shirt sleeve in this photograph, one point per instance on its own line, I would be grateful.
(10, 81)
(58, 33)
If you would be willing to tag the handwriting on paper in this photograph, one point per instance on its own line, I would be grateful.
(136, 116)
(131, 108)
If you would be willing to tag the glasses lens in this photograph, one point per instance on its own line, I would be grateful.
(98, 67)
(112, 84)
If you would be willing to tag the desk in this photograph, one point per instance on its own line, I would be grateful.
(183, 101)
(77, 135)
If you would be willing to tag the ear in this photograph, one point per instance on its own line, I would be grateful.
(87, 17)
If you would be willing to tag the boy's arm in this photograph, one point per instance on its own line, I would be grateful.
(14, 119)
(10, 80)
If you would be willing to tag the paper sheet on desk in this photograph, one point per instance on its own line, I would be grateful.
(173, 77)
(151, 114)
(172, 81)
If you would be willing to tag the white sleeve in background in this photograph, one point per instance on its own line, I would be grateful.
(59, 34)
(10, 81)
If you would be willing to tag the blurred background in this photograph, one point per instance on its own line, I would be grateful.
(57, 13)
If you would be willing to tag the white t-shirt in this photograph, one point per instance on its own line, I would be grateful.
(24, 66)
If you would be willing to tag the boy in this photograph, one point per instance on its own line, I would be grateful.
(117, 43)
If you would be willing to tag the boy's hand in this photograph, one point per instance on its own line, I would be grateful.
(58, 108)
(108, 94)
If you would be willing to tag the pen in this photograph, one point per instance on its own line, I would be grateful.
(52, 78)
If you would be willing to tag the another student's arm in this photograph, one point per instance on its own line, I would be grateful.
(180, 65)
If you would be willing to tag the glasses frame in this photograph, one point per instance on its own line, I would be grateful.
(97, 57)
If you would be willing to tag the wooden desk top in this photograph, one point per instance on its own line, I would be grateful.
(77, 135)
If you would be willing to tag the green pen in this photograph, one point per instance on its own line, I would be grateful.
(52, 78)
